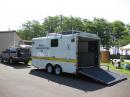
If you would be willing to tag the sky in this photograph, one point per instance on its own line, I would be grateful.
(13, 13)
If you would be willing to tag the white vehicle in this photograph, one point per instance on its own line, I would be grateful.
(71, 52)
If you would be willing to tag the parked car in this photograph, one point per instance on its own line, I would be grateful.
(16, 54)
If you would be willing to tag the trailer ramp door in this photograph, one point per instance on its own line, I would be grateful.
(100, 75)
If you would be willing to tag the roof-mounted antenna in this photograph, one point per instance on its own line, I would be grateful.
(9, 29)
(61, 21)
(48, 31)
(97, 33)
(61, 24)
(47, 34)
(72, 25)
(72, 30)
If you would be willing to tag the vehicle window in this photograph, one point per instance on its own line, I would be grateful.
(12, 50)
(54, 42)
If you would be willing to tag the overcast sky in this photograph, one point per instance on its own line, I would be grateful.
(15, 12)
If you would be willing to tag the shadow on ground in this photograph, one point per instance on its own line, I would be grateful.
(17, 65)
(75, 81)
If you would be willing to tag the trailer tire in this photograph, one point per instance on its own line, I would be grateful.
(58, 70)
(49, 68)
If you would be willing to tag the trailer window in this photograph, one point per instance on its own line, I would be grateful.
(54, 43)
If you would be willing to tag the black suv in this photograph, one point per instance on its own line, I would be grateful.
(16, 54)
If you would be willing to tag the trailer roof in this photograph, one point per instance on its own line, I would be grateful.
(70, 33)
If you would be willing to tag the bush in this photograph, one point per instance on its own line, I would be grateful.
(115, 56)
(118, 56)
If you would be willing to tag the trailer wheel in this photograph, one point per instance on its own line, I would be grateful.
(49, 68)
(58, 70)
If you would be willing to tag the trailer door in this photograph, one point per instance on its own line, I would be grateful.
(88, 52)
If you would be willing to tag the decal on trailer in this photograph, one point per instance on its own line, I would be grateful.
(42, 46)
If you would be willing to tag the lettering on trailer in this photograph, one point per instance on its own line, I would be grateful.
(42, 46)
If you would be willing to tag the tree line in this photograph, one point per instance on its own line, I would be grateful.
(111, 33)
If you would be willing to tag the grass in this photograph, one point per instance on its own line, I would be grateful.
(122, 70)
(29, 62)
(111, 67)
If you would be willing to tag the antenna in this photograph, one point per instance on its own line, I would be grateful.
(48, 31)
(9, 29)
(72, 25)
(14, 37)
(97, 33)
(61, 22)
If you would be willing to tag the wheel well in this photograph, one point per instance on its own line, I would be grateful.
(10, 58)
(48, 65)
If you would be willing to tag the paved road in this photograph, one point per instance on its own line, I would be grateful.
(21, 80)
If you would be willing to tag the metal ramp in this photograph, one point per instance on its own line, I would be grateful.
(101, 75)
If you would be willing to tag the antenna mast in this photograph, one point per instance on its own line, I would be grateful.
(71, 24)
(61, 21)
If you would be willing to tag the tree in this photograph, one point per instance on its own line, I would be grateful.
(114, 33)
(125, 40)
(118, 29)
(103, 29)
(31, 29)
(88, 26)
(52, 24)
(126, 36)
(24, 32)
(72, 23)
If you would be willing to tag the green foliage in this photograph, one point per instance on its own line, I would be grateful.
(52, 23)
(71, 23)
(114, 33)
(103, 28)
(88, 26)
(125, 40)
(118, 32)
(31, 29)
(118, 29)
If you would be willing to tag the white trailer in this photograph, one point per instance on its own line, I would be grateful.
(71, 52)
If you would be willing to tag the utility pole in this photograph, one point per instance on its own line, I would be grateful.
(14, 37)
(72, 24)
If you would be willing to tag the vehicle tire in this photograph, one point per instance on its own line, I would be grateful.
(2, 60)
(58, 70)
(10, 61)
(49, 68)
(26, 63)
